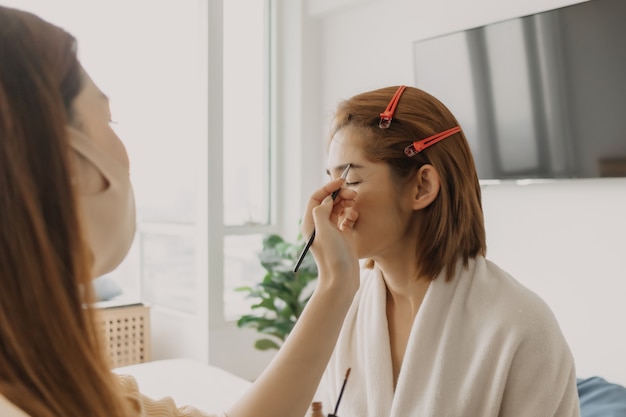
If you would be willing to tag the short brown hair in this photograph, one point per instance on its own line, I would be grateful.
(453, 226)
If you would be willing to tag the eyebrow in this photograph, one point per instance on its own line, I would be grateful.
(340, 168)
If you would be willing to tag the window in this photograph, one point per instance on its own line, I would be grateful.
(247, 147)
(154, 67)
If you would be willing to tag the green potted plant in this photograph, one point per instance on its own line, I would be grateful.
(281, 294)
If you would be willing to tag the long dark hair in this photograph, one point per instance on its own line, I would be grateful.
(52, 362)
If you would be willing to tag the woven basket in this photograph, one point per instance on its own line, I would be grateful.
(126, 331)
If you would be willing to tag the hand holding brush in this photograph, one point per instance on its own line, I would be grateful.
(333, 196)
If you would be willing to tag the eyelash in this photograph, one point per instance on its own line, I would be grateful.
(352, 184)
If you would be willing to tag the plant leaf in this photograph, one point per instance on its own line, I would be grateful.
(266, 344)
(281, 294)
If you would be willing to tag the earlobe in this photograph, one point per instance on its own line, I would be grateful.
(427, 183)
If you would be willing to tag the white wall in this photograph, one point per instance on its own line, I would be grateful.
(368, 44)
(563, 239)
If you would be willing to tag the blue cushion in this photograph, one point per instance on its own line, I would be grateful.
(106, 288)
(599, 398)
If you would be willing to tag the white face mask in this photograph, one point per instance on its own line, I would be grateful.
(109, 215)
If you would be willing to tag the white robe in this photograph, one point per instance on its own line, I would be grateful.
(481, 345)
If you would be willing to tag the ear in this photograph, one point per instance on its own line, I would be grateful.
(427, 185)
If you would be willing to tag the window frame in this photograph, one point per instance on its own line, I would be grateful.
(216, 228)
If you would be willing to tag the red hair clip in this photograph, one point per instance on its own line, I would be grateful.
(418, 146)
(387, 115)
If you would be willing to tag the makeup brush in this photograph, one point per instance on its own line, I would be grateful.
(343, 386)
(344, 174)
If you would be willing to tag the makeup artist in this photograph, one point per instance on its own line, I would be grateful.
(67, 214)
(435, 329)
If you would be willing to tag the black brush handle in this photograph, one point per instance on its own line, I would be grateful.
(304, 252)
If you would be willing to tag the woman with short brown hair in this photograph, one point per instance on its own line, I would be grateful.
(435, 328)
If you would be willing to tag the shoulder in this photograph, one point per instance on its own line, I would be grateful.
(509, 294)
(502, 298)
(517, 321)
(8, 409)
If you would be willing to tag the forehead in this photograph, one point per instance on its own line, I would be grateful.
(346, 147)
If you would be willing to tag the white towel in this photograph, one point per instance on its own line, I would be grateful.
(481, 345)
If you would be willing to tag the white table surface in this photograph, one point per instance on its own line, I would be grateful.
(188, 382)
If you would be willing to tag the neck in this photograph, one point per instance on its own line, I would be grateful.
(407, 298)
(405, 288)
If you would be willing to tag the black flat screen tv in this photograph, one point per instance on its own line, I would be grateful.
(540, 96)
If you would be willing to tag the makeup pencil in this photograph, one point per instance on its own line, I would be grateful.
(344, 174)
(343, 387)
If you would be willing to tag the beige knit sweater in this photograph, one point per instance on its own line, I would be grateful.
(144, 406)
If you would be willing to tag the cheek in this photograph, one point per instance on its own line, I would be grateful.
(369, 209)
(379, 216)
